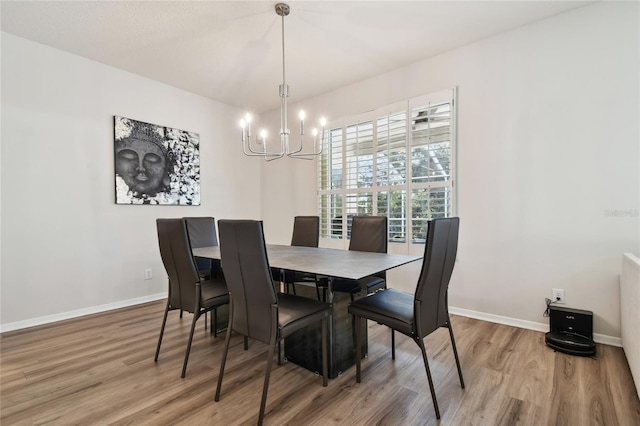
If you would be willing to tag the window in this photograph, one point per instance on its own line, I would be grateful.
(397, 161)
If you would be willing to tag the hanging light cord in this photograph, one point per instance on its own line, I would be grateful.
(283, 75)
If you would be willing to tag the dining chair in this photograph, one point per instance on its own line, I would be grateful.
(417, 315)
(306, 233)
(188, 291)
(256, 310)
(368, 233)
(202, 233)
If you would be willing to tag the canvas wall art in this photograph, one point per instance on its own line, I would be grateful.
(156, 164)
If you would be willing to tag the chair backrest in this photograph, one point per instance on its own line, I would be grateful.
(437, 267)
(369, 233)
(248, 277)
(306, 231)
(175, 251)
(202, 231)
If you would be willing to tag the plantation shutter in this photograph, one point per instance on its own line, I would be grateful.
(397, 161)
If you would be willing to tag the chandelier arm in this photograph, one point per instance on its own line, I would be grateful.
(275, 157)
(301, 157)
(290, 153)
(298, 154)
(258, 154)
(252, 153)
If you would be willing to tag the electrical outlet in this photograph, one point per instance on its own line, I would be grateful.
(148, 274)
(558, 295)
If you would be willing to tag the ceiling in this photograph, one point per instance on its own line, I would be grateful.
(230, 51)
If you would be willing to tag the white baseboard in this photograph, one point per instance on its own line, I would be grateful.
(513, 322)
(80, 312)
(529, 325)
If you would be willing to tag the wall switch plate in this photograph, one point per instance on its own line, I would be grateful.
(148, 274)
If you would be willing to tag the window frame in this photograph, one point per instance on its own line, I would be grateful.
(408, 246)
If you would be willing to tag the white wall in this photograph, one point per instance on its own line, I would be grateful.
(66, 246)
(548, 142)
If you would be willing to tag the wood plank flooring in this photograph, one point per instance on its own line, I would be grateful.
(99, 370)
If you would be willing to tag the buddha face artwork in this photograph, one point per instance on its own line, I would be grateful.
(155, 164)
(142, 165)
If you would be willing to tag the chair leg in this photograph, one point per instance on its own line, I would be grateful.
(420, 343)
(180, 313)
(246, 343)
(393, 344)
(455, 353)
(214, 322)
(325, 365)
(164, 322)
(279, 352)
(205, 320)
(267, 374)
(224, 352)
(358, 349)
(196, 315)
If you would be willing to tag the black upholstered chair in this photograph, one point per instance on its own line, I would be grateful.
(202, 233)
(256, 310)
(368, 233)
(187, 290)
(417, 315)
(306, 233)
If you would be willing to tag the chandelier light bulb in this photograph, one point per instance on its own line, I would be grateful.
(243, 124)
(247, 118)
(323, 121)
(301, 115)
(314, 132)
(263, 134)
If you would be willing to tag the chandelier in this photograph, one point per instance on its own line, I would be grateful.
(258, 146)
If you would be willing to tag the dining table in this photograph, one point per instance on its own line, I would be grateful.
(303, 346)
